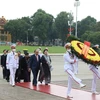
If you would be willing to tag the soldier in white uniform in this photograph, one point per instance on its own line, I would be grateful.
(70, 60)
(96, 75)
(75, 65)
(12, 63)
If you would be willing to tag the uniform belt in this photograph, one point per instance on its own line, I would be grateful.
(68, 63)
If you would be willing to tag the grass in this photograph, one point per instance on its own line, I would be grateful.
(53, 49)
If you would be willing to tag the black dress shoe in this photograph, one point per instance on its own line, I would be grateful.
(13, 85)
(7, 80)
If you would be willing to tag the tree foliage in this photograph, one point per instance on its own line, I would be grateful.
(47, 28)
(93, 37)
(42, 24)
(61, 23)
(86, 24)
(18, 29)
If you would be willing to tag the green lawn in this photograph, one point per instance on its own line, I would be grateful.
(53, 49)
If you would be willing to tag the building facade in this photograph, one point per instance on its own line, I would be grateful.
(5, 36)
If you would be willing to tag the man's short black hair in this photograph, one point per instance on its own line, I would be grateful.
(4, 50)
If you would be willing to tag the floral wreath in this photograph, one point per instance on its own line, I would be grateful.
(76, 48)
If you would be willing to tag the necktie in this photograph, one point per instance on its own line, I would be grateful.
(37, 57)
(13, 53)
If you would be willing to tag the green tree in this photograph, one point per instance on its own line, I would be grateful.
(28, 28)
(86, 35)
(18, 29)
(42, 24)
(97, 27)
(93, 37)
(11, 26)
(61, 23)
(86, 24)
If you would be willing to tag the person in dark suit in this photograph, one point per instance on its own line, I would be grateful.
(34, 65)
(17, 75)
(3, 64)
(24, 67)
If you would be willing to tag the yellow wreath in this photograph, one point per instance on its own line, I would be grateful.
(92, 55)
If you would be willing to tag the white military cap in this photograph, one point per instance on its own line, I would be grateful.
(97, 45)
(67, 45)
(13, 46)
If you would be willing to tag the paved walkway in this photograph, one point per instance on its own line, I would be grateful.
(60, 91)
(8, 92)
(59, 77)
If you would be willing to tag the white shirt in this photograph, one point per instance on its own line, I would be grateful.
(75, 65)
(69, 61)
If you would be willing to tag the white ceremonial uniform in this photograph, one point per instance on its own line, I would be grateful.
(96, 74)
(12, 63)
(69, 68)
(75, 65)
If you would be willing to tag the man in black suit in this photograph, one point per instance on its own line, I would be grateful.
(3, 64)
(34, 65)
(24, 67)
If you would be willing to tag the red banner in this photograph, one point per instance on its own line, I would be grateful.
(86, 48)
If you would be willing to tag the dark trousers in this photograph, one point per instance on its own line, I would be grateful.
(23, 75)
(8, 74)
(16, 75)
(35, 73)
(4, 73)
(26, 76)
(29, 75)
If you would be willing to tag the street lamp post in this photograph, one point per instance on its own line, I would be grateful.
(27, 38)
(70, 21)
(76, 4)
(28, 32)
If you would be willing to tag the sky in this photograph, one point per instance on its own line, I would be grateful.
(12, 9)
